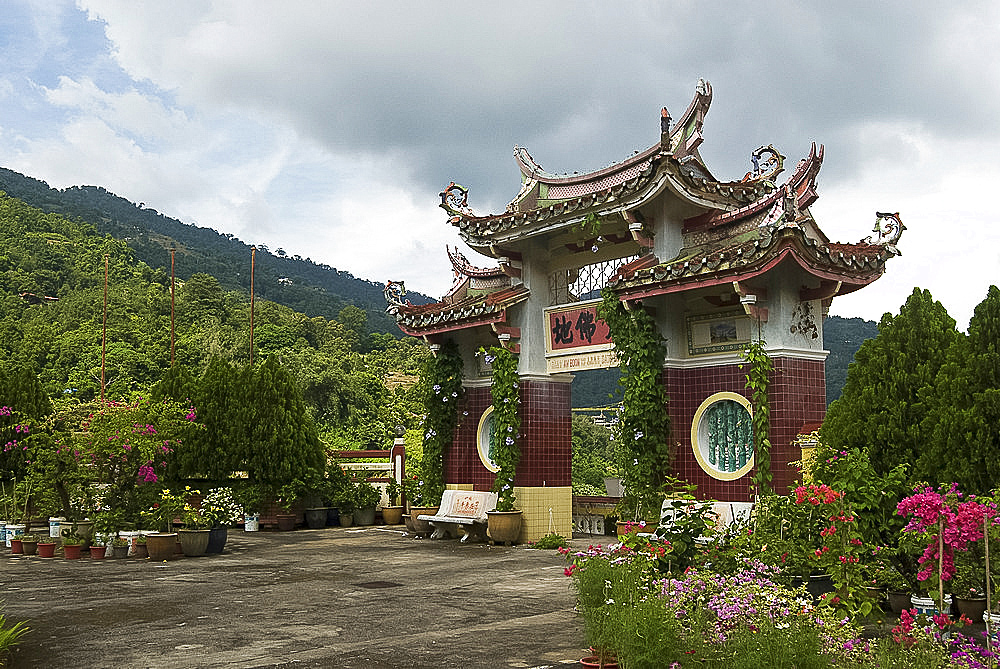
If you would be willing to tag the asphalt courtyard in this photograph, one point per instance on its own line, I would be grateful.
(334, 597)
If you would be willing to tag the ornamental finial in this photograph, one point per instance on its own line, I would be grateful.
(395, 291)
(889, 228)
(455, 200)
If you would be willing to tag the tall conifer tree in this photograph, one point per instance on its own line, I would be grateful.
(884, 403)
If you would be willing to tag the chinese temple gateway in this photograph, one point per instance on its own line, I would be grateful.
(718, 263)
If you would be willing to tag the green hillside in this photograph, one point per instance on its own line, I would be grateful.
(52, 297)
(311, 288)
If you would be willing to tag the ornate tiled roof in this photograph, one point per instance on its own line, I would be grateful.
(426, 319)
(548, 202)
(759, 250)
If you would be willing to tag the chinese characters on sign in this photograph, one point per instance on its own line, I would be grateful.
(578, 339)
(576, 327)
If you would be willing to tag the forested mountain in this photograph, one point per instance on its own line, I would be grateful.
(305, 286)
(52, 293)
(843, 337)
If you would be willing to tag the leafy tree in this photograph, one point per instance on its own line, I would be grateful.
(884, 404)
(592, 456)
(962, 443)
(283, 444)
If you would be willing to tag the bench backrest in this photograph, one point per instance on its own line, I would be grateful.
(467, 504)
(721, 514)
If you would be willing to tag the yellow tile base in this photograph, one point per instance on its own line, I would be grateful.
(536, 503)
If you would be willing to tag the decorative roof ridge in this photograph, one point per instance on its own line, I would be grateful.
(802, 182)
(462, 266)
(531, 170)
(695, 112)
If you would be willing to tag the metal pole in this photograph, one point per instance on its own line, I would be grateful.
(104, 333)
(253, 254)
(989, 585)
(172, 307)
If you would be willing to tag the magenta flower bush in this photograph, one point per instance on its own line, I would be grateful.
(944, 514)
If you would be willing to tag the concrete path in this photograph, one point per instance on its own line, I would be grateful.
(335, 597)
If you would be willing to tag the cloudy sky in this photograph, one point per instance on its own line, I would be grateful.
(328, 128)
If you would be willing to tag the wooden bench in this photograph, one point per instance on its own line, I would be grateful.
(465, 509)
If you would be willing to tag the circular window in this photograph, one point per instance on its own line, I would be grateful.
(722, 436)
(484, 441)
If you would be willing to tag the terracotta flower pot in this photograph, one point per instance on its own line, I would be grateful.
(48, 549)
(98, 552)
(162, 546)
(16, 548)
(422, 528)
(72, 551)
(286, 522)
(29, 547)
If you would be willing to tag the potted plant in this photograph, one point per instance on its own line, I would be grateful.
(194, 536)
(119, 547)
(314, 488)
(288, 494)
(393, 512)
(162, 545)
(29, 544)
(504, 523)
(221, 509)
(968, 585)
(72, 545)
(139, 547)
(251, 496)
(366, 498)
(46, 547)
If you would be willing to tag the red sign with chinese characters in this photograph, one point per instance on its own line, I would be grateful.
(577, 327)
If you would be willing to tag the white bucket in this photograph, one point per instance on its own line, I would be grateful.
(54, 524)
(13, 531)
(927, 606)
(251, 522)
(3, 532)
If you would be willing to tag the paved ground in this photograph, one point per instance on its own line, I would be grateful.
(336, 597)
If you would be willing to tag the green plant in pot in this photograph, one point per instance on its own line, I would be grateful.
(366, 498)
(392, 513)
(288, 495)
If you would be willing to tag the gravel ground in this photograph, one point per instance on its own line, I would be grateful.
(333, 597)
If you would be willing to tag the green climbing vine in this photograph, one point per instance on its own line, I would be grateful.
(441, 377)
(758, 378)
(643, 429)
(505, 431)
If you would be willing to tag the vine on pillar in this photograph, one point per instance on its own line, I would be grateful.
(441, 378)
(643, 429)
